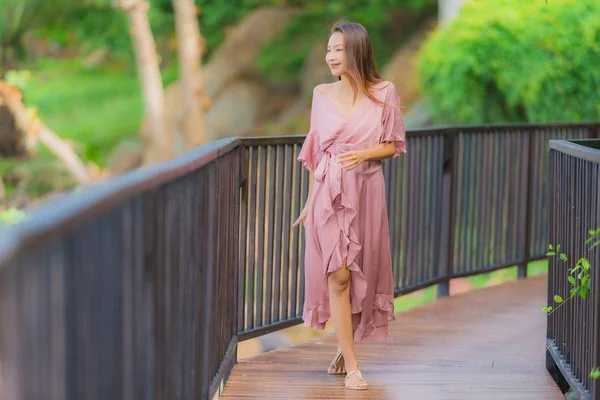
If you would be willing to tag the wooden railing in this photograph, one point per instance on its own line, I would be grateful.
(574, 210)
(141, 287)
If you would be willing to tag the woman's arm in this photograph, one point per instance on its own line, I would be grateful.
(353, 159)
(380, 152)
(309, 199)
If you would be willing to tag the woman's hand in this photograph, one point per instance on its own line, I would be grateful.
(351, 159)
(302, 216)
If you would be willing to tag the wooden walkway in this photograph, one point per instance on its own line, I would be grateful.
(484, 344)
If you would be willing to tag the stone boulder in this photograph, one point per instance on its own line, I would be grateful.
(402, 68)
(233, 90)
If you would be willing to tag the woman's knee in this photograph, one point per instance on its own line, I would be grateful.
(340, 279)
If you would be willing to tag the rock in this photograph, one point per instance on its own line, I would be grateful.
(233, 93)
(126, 156)
(315, 70)
(402, 67)
(238, 53)
(418, 115)
(236, 110)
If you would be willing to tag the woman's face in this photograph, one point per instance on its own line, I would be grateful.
(336, 54)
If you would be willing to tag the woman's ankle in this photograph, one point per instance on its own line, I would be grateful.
(350, 365)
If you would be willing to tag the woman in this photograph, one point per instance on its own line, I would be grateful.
(355, 123)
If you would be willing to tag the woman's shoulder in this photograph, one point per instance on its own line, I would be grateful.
(323, 88)
(384, 86)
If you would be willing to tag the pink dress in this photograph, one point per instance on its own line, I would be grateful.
(348, 218)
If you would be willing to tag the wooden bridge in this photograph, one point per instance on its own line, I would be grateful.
(487, 344)
(143, 286)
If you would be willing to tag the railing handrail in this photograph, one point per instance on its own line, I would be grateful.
(573, 148)
(61, 213)
(188, 249)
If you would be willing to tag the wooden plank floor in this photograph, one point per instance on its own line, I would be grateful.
(484, 344)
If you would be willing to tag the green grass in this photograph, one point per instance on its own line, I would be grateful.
(96, 108)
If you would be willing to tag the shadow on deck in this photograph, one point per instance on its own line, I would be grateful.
(484, 344)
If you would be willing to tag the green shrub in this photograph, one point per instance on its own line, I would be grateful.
(509, 61)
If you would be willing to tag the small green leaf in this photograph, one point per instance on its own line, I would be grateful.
(547, 309)
(563, 257)
(550, 247)
(585, 280)
(558, 299)
(571, 280)
(595, 373)
(550, 253)
(558, 248)
(574, 269)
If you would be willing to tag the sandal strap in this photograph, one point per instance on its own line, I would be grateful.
(336, 359)
(357, 372)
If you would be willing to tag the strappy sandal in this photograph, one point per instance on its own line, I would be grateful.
(362, 385)
(336, 364)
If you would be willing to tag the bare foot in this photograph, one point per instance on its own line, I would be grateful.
(337, 366)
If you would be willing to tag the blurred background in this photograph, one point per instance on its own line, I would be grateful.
(91, 89)
(75, 110)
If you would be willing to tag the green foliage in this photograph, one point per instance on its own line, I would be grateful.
(579, 279)
(12, 216)
(96, 109)
(283, 59)
(18, 78)
(16, 16)
(93, 24)
(508, 60)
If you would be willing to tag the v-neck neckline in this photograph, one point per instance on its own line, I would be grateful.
(339, 110)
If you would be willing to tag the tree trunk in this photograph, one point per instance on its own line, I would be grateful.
(26, 127)
(190, 53)
(151, 82)
(448, 10)
(65, 153)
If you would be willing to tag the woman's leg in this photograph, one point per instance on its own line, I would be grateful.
(339, 304)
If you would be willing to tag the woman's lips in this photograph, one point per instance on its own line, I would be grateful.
(334, 66)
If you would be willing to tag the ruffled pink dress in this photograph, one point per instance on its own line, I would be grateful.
(348, 218)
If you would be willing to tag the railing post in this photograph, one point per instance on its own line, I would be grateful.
(241, 243)
(210, 264)
(447, 225)
(522, 268)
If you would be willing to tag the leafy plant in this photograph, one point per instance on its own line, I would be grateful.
(514, 61)
(579, 280)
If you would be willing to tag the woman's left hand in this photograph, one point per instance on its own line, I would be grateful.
(351, 159)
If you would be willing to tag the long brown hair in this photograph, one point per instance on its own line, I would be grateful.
(359, 58)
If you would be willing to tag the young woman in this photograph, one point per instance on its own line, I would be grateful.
(355, 123)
